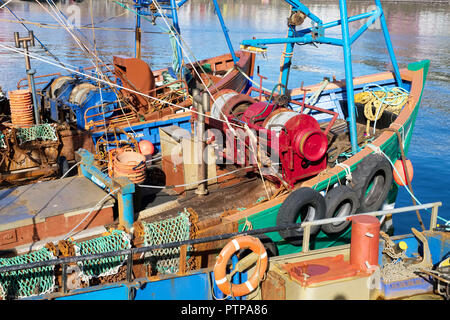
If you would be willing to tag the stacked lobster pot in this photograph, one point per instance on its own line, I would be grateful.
(21, 106)
(125, 162)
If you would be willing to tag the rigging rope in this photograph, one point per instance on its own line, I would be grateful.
(55, 26)
(378, 150)
(109, 83)
(41, 44)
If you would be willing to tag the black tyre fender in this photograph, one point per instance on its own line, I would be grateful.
(372, 181)
(304, 204)
(341, 201)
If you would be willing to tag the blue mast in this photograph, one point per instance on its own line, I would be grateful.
(225, 31)
(140, 5)
(346, 45)
(316, 34)
(176, 26)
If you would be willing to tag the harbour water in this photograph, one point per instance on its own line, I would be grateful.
(418, 31)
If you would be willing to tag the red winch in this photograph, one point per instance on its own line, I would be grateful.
(291, 139)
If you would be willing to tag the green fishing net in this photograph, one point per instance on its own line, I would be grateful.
(41, 131)
(27, 282)
(115, 241)
(170, 230)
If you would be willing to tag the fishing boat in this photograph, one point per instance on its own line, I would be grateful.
(106, 101)
(281, 160)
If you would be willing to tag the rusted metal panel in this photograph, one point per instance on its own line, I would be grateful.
(182, 264)
(8, 237)
(72, 140)
(174, 174)
(135, 75)
(273, 288)
(38, 159)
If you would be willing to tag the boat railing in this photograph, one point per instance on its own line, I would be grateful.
(82, 71)
(306, 226)
(88, 118)
(26, 85)
(164, 95)
(129, 253)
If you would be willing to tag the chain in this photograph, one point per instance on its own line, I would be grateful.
(397, 269)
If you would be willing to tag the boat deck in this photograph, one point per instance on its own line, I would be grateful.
(161, 204)
(51, 208)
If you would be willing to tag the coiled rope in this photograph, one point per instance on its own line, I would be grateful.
(380, 100)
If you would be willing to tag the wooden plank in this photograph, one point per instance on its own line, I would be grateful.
(208, 251)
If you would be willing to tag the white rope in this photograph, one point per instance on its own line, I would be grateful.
(100, 203)
(375, 148)
(57, 17)
(64, 23)
(34, 56)
(210, 94)
(348, 172)
(153, 159)
(121, 87)
(67, 172)
(253, 81)
(313, 98)
(190, 61)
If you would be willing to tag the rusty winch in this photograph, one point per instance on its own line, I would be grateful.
(290, 143)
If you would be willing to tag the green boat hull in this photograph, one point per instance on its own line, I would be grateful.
(267, 217)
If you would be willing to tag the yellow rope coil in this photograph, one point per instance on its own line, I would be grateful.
(376, 102)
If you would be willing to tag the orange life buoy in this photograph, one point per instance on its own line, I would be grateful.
(220, 274)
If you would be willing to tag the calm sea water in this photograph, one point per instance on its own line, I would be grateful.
(418, 31)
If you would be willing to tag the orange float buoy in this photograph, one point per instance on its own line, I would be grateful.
(398, 165)
(21, 106)
(146, 147)
(364, 241)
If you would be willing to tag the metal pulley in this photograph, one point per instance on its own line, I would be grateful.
(297, 18)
